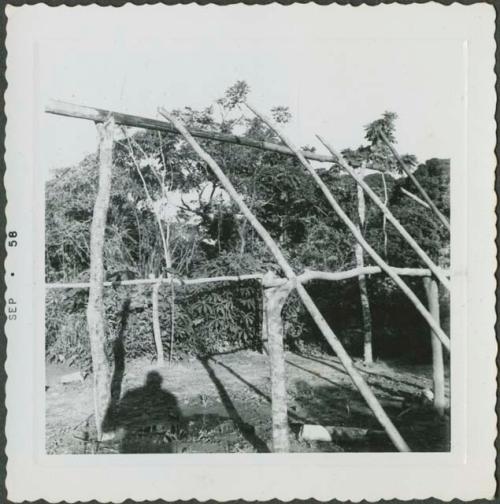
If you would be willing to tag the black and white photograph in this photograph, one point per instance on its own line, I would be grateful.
(251, 233)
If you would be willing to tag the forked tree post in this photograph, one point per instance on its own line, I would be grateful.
(156, 322)
(432, 292)
(96, 319)
(276, 296)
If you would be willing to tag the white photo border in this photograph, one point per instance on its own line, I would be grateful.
(467, 472)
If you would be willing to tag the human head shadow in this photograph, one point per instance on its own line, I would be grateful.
(247, 430)
(147, 419)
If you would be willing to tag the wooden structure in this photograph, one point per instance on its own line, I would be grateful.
(276, 289)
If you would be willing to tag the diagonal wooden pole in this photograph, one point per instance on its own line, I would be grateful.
(415, 198)
(358, 236)
(316, 315)
(412, 177)
(389, 215)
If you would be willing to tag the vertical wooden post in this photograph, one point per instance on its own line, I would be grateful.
(156, 322)
(275, 296)
(172, 320)
(363, 289)
(431, 289)
(95, 309)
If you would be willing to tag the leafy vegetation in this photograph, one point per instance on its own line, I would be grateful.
(204, 235)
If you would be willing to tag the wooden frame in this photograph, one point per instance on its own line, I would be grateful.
(280, 288)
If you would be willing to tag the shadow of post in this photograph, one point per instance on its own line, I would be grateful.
(248, 431)
(109, 422)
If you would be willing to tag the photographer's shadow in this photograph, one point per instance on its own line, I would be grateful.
(146, 419)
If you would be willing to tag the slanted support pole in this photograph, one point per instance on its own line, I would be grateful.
(313, 310)
(416, 183)
(156, 323)
(357, 235)
(276, 296)
(96, 319)
(389, 216)
(432, 292)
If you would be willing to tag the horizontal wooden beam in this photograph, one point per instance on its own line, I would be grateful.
(307, 276)
(100, 115)
(152, 281)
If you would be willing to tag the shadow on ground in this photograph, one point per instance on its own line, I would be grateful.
(221, 404)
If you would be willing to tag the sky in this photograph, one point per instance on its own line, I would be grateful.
(335, 69)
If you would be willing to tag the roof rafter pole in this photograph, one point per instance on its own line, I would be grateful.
(389, 215)
(99, 115)
(415, 198)
(359, 237)
(412, 177)
(332, 339)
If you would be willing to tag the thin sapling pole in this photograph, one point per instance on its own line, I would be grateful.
(363, 288)
(156, 322)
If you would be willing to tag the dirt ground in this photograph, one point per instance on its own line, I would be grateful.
(222, 404)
